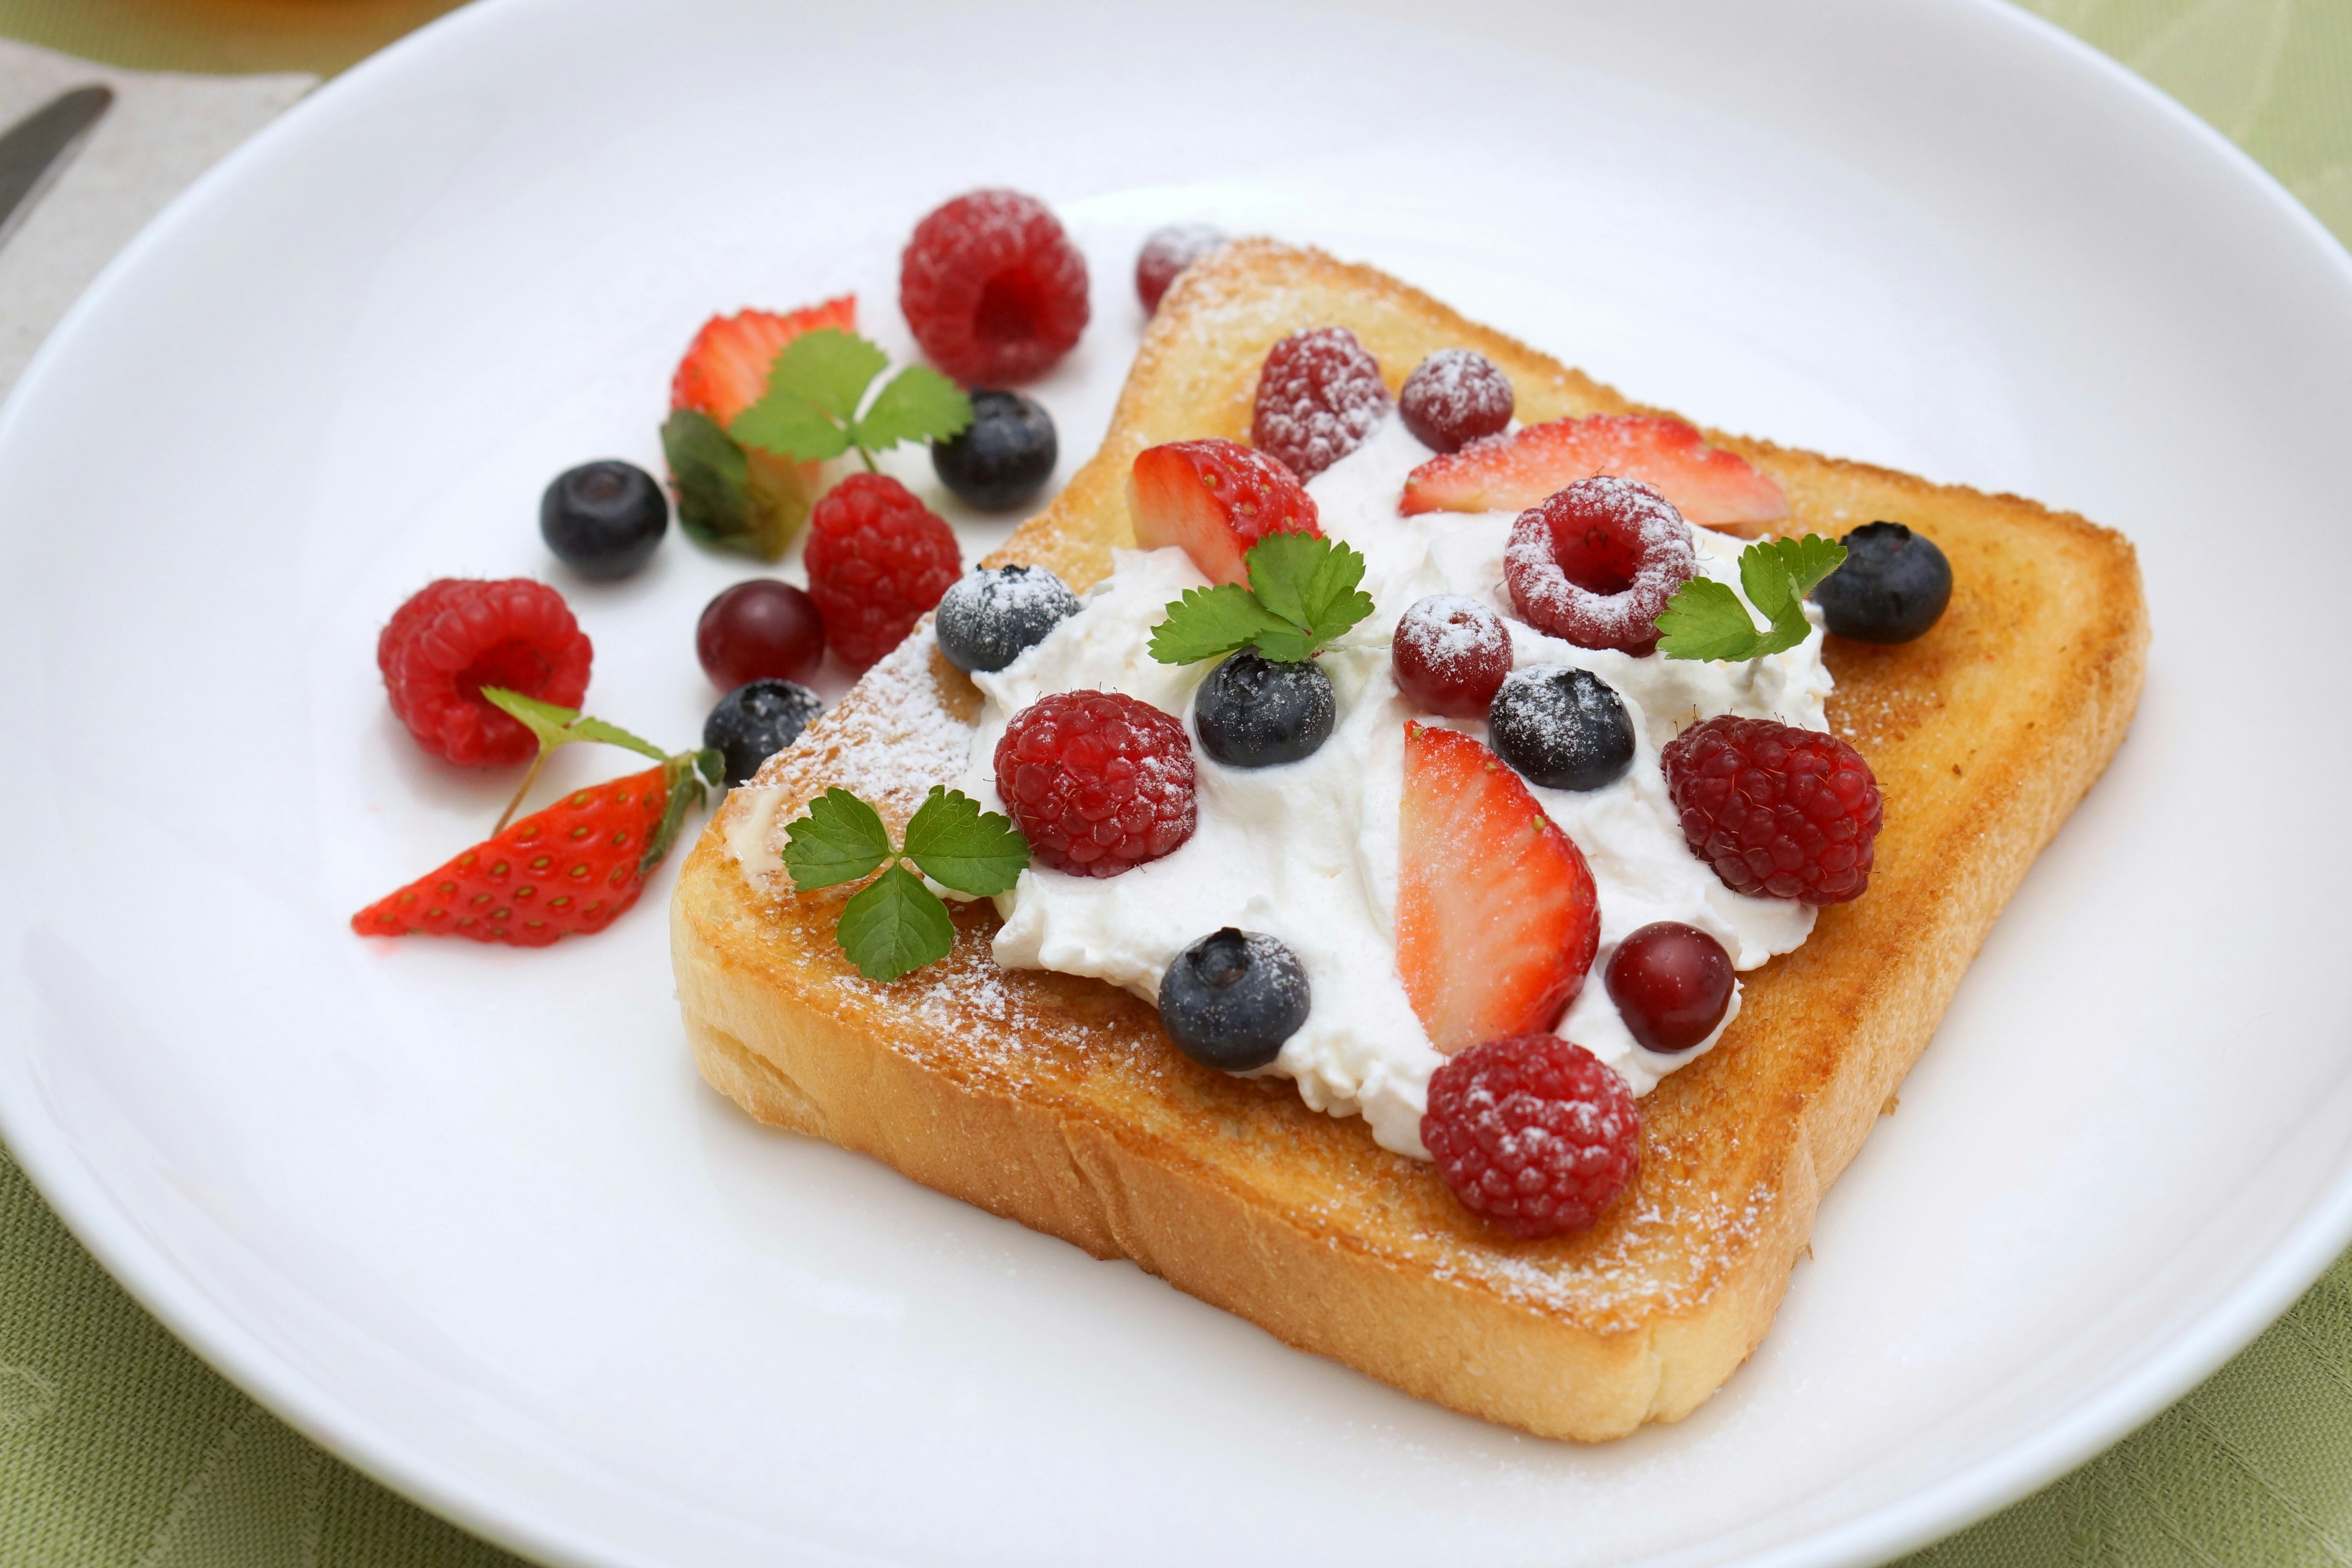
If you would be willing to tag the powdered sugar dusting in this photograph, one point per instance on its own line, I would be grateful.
(1455, 397)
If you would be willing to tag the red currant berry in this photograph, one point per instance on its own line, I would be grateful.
(760, 630)
(1452, 398)
(1169, 251)
(1671, 983)
(1450, 655)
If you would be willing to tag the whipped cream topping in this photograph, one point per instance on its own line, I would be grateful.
(1306, 851)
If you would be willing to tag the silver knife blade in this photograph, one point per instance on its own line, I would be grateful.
(34, 151)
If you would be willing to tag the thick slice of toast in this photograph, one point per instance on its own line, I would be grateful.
(1058, 1103)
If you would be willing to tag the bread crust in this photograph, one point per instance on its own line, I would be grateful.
(1058, 1103)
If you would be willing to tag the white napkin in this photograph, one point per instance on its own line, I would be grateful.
(163, 130)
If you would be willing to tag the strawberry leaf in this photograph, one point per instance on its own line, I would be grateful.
(684, 793)
(964, 847)
(894, 925)
(919, 403)
(828, 367)
(841, 839)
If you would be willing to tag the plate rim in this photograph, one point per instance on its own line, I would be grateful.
(78, 1194)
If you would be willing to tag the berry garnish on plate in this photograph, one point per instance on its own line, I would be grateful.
(1496, 917)
(1705, 620)
(570, 869)
(763, 629)
(1233, 997)
(729, 494)
(457, 635)
(1712, 488)
(1098, 782)
(877, 559)
(1533, 1132)
(814, 404)
(1252, 712)
(756, 720)
(1562, 728)
(603, 518)
(1454, 397)
(1450, 655)
(1214, 499)
(1319, 395)
(1778, 811)
(1004, 457)
(1671, 983)
(1166, 252)
(1892, 586)
(895, 924)
(1596, 564)
(999, 613)
(992, 288)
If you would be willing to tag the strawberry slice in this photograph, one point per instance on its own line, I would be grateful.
(1708, 486)
(1216, 499)
(728, 494)
(1496, 918)
(569, 871)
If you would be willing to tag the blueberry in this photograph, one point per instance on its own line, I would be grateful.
(603, 518)
(1004, 456)
(1252, 712)
(996, 615)
(756, 720)
(1892, 586)
(1231, 998)
(1561, 727)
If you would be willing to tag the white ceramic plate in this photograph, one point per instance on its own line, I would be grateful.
(469, 1218)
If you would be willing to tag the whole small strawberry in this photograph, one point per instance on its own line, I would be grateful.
(570, 869)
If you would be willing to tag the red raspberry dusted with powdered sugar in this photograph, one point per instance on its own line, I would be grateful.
(1319, 394)
(1168, 252)
(1450, 655)
(1778, 811)
(1596, 562)
(877, 559)
(455, 637)
(1454, 397)
(992, 288)
(1096, 781)
(1533, 1132)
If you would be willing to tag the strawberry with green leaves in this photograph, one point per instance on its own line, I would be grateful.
(570, 869)
(896, 923)
(767, 402)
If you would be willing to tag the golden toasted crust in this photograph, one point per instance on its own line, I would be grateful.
(1058, 1103)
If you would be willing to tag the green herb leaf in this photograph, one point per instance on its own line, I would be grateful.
(1705, 620)
(1311, 582)
(791, 428)
(545, 721)
(712, 477)
(614, 735)
(841, 839)
(893, 926)
(1210, 623)
(828, 367)
(685, 794)
(964, 847)
(712, 762)
(919, 403)
(1303, 593)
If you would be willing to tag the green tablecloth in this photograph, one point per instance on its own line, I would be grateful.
(120, 1447)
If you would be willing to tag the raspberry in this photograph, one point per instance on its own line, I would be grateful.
(1533, 1132)
(1096, 781)
(1454, 397)
(1319, 396)
(992, 288)
(1778, 811)
(1166, 253)
(877, 559)
(455, 637)
(1596, 562)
